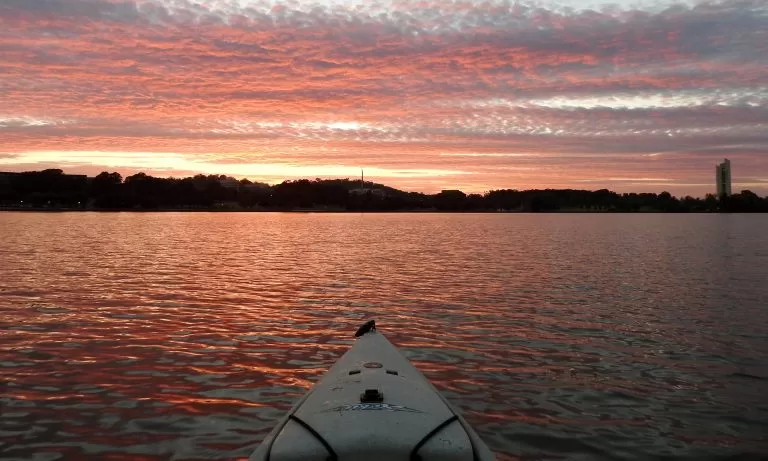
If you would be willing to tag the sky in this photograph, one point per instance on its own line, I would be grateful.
(629, 95)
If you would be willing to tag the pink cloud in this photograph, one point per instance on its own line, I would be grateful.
(587, 94)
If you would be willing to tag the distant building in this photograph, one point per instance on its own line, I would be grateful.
(723, 178)
(365, 191)
(362, 190)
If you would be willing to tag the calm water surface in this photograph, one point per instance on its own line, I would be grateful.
(172, 336)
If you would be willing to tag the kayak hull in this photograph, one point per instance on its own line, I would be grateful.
(373, 404)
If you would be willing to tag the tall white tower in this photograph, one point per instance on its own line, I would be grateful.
(723, 178)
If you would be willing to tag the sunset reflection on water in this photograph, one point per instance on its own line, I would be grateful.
(172, 336)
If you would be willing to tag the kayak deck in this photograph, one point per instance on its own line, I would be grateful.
(373, 404)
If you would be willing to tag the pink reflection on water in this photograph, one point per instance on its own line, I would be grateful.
(186, 336)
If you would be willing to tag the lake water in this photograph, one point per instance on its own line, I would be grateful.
(181, 336)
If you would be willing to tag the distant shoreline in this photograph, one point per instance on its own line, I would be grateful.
(332, 211)
(53, 191)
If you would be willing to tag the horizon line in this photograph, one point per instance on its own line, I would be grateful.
(123, 178)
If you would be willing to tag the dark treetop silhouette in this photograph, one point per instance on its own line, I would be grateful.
(52, 189)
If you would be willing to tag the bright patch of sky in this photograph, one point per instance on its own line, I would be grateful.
(487, 154)
(176, 162)
(245, 126)
(752, 97)
(6, 122)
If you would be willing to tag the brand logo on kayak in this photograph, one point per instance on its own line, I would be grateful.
(373, 407)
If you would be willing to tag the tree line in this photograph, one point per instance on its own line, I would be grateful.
(110, 191)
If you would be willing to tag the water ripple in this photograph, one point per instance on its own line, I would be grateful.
(173, 336)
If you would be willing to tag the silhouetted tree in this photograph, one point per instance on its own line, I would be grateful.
(52, 188)
(450, 200)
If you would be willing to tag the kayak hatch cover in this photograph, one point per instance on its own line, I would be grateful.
(372, 405)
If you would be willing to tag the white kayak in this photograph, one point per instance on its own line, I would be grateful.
(372, 405)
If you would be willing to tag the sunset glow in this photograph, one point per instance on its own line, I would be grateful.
(425, 95)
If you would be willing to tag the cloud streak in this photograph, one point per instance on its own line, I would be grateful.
(473, 94)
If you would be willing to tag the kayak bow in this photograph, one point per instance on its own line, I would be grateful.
(372, 405)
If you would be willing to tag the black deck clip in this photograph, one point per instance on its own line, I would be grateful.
(367, 326)
(371, 396)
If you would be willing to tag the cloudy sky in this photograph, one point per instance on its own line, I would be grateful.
(631, 95)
